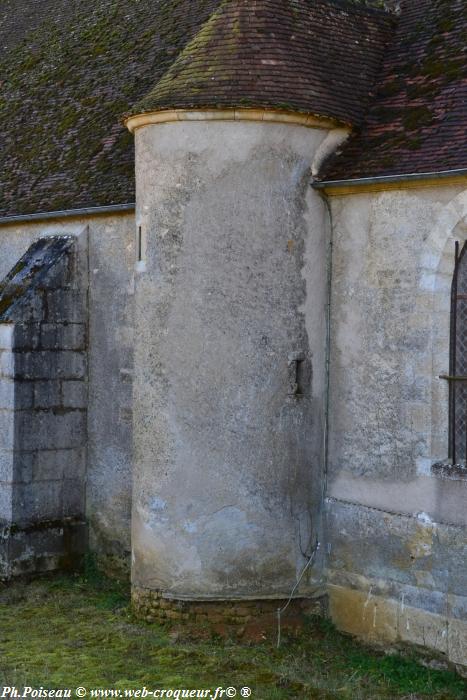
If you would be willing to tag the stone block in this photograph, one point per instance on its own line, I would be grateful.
(423, 628)
(458, 607)
(75, 542)
(6, 336)
(74, 464)
(73, 498)
(31, 309)
(6, 502)
(65, 305)
(27, 336)
(71, 365)
(37, 501)
(23, 465)
(30, 564)
(45, 547)
(49, 429)
(393, 547)
(6, 465)
(173, 615)
(449, 557)
(48, 465)
(47, 394)
(458, 642)
(418, 597)
(49, 337)
(59, 464)
(24, 394)
(33, 542)
(7, 393)
(361, 614)
(24, 429)
(61, 336)
(60, 276)
(66, 364)
(23, 368)
(7, 363)
(7, 429)
(74, 394)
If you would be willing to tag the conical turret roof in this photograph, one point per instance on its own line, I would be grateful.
(311, 56)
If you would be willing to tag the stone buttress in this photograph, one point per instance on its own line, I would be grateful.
(43, 408)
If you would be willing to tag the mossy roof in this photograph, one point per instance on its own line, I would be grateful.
(70, 69)
(317, 57)
(417, 121)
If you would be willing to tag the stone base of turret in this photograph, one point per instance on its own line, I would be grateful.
(237, 618)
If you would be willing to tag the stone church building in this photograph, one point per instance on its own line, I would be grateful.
(233, 315)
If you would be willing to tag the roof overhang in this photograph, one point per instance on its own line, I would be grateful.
(136, 121)
(68, 214)
(392, 182)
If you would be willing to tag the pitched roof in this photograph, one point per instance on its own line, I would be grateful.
(69, 70)
(417, 122)
(319, 57)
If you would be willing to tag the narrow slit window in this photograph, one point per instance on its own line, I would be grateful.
(140, 243)
(300, 377)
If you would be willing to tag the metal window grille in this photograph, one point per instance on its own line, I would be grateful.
(457, 377)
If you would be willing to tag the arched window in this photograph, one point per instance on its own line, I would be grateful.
(458, 360)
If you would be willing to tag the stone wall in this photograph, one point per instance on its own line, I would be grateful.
(229, 359)
(396, 527)
(43, 324)
(238, 618)
(111, 246)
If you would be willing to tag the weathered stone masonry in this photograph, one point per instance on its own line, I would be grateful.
(108, 242)
(396, 524)
(258, 368)
(227, 449)
(43, 394)
(236, 617)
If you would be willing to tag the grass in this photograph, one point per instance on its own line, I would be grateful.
(79, 631)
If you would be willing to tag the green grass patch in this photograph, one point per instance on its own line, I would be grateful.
(79, 631)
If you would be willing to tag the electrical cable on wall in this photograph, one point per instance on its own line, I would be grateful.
(281, 611)
(311, 559)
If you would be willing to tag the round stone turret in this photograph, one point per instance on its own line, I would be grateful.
(231, 296)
